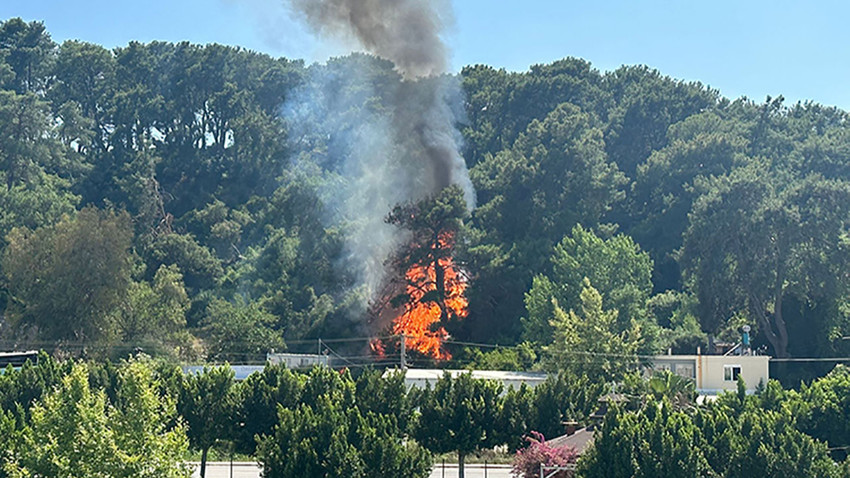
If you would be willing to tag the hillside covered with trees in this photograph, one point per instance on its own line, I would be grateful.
(173, 198)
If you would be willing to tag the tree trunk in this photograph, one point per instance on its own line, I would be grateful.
(781, 347)
(204, 462)
(460, 458)
(772, 325)
(440, 283)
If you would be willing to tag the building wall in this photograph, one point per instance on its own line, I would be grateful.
(297, 361)
(420, 378)
(716, 373)
(754, 369)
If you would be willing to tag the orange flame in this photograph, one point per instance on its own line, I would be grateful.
(417, 322)
(378, 348)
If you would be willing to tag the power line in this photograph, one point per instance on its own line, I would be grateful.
(477, 344)
(811, 359)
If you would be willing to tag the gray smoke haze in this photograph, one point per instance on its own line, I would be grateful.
(403, 150)
(406, 32)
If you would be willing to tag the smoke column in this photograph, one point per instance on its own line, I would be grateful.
(406, 32)
(413, 152)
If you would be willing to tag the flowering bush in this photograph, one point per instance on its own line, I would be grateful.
(527, 461)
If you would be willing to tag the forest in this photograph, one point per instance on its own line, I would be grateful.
(198, 202)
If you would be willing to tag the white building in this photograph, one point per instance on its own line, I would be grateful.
(297, 361)
(419, 377)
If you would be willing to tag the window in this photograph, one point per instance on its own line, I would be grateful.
(731, 373)
(685, 370)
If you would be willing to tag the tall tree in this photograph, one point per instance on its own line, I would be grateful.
(753, 242)
(616, 267)
(75, 431)
(85, 75)
(239, 331)
(29, 52)
(154, 315)
(589, 339)
(27, 146)
(431, 278)
(652, 443)
(646, 103)
(460, 415)
(67, 280)
(258, 398)
(663, 191)
(555, 176)
(206, 403)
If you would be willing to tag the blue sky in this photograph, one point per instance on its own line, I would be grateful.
(750, 47)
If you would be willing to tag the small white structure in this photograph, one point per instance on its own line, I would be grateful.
(240, 372)
(713, 374)
(296, 361)
(420, 377)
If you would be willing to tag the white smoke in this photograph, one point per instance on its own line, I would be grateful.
(395, 141)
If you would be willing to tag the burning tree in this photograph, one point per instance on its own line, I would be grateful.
(429, 291)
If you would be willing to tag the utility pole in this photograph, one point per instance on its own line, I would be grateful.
(403, 352)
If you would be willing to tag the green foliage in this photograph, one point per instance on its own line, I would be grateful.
(590, 341)
(680, 391)
(646, 104)
(82, 273)
(676, 315)
(201, 269)
(289, 277)
(155, 314)
(737, 436)
(563, 397)
(239, 331)
(822, 408)
(144, 422)
(75, 431)
(740, 205)
(324, 424)
(656, 442)
(258, 399)
(663, 192)
(386, 395)
(753, 241)
(9, 436)
(459, 414)
(770, 444)
(516, 416)
(555, 176)
(43, 201)
(616, 267)
(206, 403)
(19, 389)
(27, 48)
(328, 439)
(518, 358)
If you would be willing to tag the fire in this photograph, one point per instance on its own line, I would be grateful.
(418, 322)
(378, 348)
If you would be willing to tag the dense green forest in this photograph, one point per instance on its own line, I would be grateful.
(174, 198)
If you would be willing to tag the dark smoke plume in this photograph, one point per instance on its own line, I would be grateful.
(406, 32)
(402, 156)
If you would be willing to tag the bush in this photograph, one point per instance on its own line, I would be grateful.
(527, 461)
